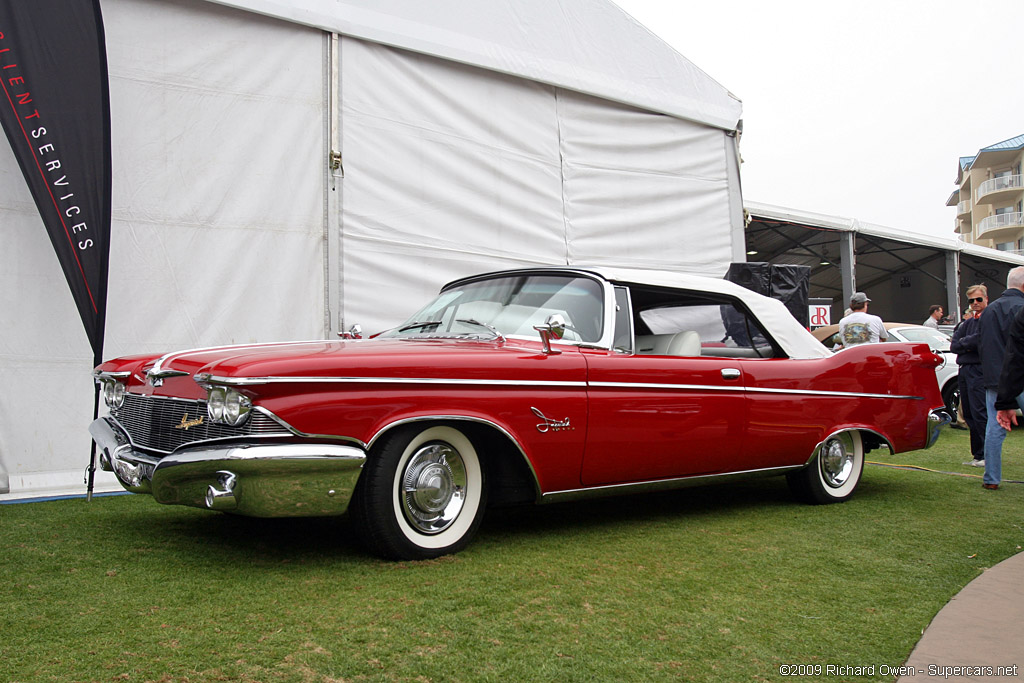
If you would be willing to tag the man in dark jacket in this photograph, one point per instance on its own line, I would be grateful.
(1011, 383)
(995, 326)
(969, 375)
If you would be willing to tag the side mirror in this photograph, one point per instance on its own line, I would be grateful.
(553, 328)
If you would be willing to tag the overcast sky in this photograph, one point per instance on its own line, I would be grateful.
(857, 109)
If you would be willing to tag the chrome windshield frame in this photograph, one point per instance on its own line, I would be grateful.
(607, 303)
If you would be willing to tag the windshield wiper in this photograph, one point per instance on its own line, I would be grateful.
(490, 328)
(420, 323)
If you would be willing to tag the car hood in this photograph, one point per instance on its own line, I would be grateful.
(371, 358)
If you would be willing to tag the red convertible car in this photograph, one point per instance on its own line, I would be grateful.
(525, 386)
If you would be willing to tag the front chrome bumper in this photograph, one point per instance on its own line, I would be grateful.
(258, 480)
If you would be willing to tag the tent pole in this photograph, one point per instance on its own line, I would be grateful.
(90, 471)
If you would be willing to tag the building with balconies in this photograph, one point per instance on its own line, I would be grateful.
(989, 198)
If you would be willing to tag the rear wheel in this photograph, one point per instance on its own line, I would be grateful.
(421, 494)
(833, 474)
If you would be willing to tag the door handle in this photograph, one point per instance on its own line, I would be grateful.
(731, 373)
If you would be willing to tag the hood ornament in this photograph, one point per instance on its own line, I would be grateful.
(156, 377)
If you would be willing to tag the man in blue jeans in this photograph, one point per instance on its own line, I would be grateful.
(994, 330)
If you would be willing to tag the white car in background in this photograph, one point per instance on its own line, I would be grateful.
(937, 340)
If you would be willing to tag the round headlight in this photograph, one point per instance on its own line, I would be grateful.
(117, 395)
(108, 393)
(236, 408)
(215, 403)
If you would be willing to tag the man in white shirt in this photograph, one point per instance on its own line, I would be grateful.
(859, 327)
(935, 314)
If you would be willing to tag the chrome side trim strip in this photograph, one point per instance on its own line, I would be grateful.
(248, 381)
(251, 381)
(749, 390)
(660, 484)
(670, 387)
(847, 394)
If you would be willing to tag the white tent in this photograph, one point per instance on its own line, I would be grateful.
(285, 168)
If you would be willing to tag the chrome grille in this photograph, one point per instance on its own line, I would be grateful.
(164, 424)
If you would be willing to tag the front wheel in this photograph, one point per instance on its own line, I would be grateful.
(421, 494)
(834, 472)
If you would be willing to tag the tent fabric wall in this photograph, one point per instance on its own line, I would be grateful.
(218, 192)
(641, 189)
(229, 228)
(217, 119)
(449, 170)
(586, 46)
(452, 169)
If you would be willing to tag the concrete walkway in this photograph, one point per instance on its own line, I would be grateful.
(980, 630)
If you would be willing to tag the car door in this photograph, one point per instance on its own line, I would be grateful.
(657, 416)
(670, 401)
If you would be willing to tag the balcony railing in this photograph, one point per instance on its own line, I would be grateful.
(963, 207)
(1001, 221)
(1006, 182)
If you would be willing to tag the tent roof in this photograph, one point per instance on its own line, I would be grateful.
(841, 224)
(784, 235)
(589, 46)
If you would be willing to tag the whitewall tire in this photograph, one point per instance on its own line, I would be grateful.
(421, 494)
(833, 473)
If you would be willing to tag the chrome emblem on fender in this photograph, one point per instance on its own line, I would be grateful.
(186, 423)
(549, 425)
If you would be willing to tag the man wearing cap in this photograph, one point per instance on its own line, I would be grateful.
(860, 327)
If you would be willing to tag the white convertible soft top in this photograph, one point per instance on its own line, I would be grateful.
(794, 339)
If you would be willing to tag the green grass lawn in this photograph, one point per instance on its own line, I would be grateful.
(723, 583)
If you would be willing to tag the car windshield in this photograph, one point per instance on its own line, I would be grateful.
(935, 339)
(511, 306)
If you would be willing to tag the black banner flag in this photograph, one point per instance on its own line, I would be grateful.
(55, 110)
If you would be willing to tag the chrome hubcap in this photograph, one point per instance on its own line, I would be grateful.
(433, 487)
(837, 460)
